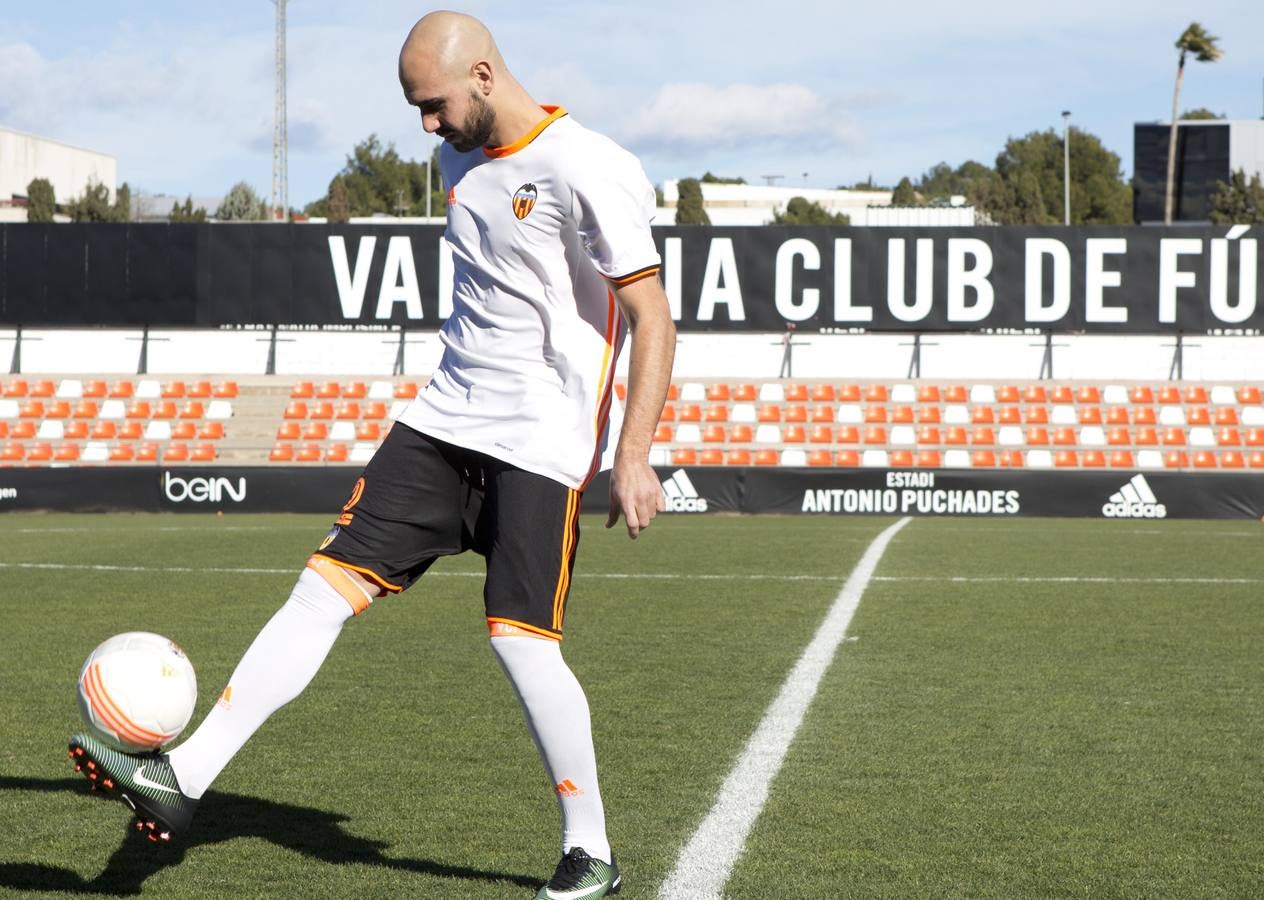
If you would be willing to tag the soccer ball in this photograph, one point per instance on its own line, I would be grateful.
(137, 691)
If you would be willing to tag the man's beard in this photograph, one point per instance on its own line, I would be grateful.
(477, 129)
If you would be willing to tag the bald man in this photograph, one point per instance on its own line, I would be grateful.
(554, 264)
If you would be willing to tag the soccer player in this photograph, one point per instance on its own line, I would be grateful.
(553, 264)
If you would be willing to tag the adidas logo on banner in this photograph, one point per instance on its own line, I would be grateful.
(681, 495)
(1134, 500)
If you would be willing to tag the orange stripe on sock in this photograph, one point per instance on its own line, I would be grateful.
(509, 628)
(340, 581)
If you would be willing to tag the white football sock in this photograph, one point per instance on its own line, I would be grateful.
(557, 716)
(279, 664)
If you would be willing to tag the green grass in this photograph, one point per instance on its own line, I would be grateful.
(979, 738)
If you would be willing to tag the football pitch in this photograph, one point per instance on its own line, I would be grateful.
(1025, 708)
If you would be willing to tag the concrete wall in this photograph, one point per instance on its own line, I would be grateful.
(24, 157)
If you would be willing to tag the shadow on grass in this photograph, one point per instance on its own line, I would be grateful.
(315, 833)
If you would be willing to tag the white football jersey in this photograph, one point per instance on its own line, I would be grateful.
(541, 231)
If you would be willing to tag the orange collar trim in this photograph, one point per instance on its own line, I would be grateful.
(554, 113)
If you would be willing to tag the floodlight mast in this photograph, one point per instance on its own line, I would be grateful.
(280, 209)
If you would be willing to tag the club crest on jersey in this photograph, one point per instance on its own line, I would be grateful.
(524, 200)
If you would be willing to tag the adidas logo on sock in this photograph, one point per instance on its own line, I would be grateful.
(681, 495)
(1134, 500)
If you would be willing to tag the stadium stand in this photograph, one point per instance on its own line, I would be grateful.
(929, 424)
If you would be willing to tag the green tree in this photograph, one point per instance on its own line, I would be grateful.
(942, 181)
(1197, 41)
(95, 205)
(377, 180)
(1099, 194)
(866, 185)
(708, 178)
(185, 214)
(1202, 112)
(904, 195)
(1238, 201)
(41, 201)
(689, 207)
(339, 206)
(241, 204)
(801, 211)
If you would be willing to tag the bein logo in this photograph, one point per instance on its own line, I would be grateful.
(202, 490)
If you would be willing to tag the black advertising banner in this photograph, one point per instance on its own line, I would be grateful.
(1100, 279)
(1110, 494)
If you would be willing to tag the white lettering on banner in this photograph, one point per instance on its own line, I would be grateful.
(202, 490)
(843, 309)
(1171, 278)
(783, 280)
(447, 279)
(924, 280)
(925, 502)
(351, 281)
(399, 280)
(671, 275)
(720, 284)
(1036, 250)
(8, 493)
(960, 278)
(1219, 281)
(1097, 277)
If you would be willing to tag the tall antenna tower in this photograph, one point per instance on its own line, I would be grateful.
(280, 140)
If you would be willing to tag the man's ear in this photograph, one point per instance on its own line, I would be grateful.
(483, 76)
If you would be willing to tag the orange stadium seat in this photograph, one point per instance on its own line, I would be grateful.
(173, 390)
(713, 434)
(1066, 459)
(928, 434)
(336, 453)
(956, 393)
(983, 436)
(982, 415)
(226, 390)
(847, 458)
(183, 431)
(745, 393)
(122, 390)
(822, 393)
(308, 453)
(1256, 459)
(1064, 437)
(875, 414)
(374, 409)
(66, 453)
(822, 414)
(711, 457)
(673, 392)
(928, 459)
(322, 410)
(848, 434)
(24, 430)
(1255, 437)
(372, 431)
(1062, 393)
(200, 390)
(824, 434)
(820, 458)
(1226, 415)
(1196, 393)
(794, 434)
(1228, 437)
(1093, 459)
(668, 414)
(690, 412)
(1011, 459)
(1088, 394)
(32, 409)
(122, 453)
(718, 413)
(147, 452)
(1197, 415)
(901, 459)
(355, 390)
(983, 459)
(192, 409)
(875, 434)
(684, 457)
(849, 393)
(767, 457)
(44, 388)
(796, 412)
(1169, 394)
(16, 388)
(1034, 393)
(662, 434)
(1090, 415)
(316, 431)
(1204, 459)
(1176, 459)
(955, 436)
(1117, 415)
(405, 390)
(1121, 459)
(1008, 393)
(902, 415)
(282, 451)
(1232, 459)
(1036, 415)
(928, 393)
(329, 390)
(1010, 415)
(14, 451)
(1141, 394)
(166, 409)
(177, 451)
(1249, 394)
(796, 393)
(211, 431)
(876, 393)
(1173, 437)
(4, 429)
(1119, 437)
(138, 409)
(40, 451)
(769, 412)
(348, 410)
(131, 431)
(928, 415)
(739, 457)
(1144, 415)
(203, 452)
(718, 393)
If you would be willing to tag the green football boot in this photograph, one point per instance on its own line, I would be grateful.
(580, 877)
(144, 781)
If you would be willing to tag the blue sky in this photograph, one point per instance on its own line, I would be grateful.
(820, 93)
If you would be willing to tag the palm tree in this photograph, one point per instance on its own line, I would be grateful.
(1203, 45)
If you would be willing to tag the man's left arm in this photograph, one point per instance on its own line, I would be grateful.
(634, 489)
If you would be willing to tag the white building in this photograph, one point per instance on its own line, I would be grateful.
(754, 204)
(25, 157)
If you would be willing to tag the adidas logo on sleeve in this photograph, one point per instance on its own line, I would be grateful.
(681, 495)
(1134, 500)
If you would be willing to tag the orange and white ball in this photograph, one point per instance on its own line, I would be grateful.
(137, 691)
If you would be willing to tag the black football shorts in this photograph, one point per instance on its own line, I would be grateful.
(420, 498)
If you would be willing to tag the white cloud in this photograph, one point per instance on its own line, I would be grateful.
(695, 116)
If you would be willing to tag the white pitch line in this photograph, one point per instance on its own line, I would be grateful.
(1064, 579)
(707, 859)
(620, 576)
